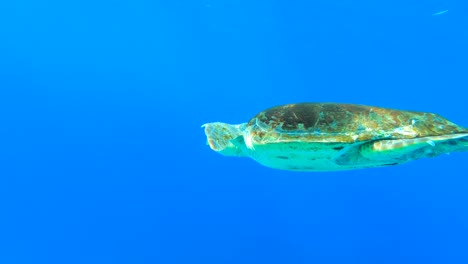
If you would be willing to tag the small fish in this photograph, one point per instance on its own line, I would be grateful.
(440, 13)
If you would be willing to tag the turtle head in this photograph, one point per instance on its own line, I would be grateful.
(226, 139)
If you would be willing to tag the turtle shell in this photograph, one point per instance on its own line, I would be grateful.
(347, 123)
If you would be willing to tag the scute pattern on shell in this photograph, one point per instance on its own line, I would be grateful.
(333, 122)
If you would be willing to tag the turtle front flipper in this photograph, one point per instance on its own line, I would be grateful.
(225, 138)
(402, 150)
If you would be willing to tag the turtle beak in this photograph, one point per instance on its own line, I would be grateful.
(219, 138)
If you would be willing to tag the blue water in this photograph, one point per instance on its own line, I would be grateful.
(102, 158)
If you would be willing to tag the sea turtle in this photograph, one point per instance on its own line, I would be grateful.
(334, 136)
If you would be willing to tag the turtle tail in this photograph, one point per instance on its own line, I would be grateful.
(225, 138)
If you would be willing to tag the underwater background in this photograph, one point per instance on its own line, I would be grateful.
(103, 160)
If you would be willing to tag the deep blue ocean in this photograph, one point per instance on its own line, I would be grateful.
(103, 158)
